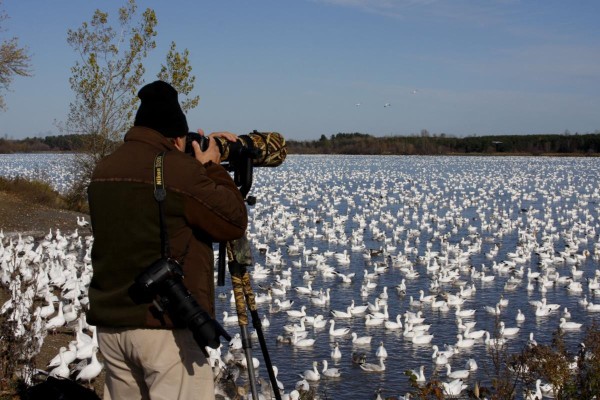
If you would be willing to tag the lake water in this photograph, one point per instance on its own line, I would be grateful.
(538, 214)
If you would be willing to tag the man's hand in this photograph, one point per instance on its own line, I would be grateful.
(212, 153)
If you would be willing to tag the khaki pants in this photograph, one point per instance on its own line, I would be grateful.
(154, 364)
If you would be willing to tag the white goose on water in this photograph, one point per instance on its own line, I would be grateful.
(457, 374)
(339, 331)
(357, 310)
(311, 375)
(569, 325)
(307, 342)
(422, 339)
(363, 340)
(381, 351)
(330, 372)
(342, 314)
(394, 325)
(297, 313)
(464, 343)
(369, 367)
(336, 354)
(439, 358)
(454, 388)
(418, 374)
(504, 331)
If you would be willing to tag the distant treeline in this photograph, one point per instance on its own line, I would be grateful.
(361, 143)
(49, 143)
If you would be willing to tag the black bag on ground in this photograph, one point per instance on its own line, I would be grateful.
(59, 389)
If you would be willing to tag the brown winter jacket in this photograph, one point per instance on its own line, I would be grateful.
(202, 206)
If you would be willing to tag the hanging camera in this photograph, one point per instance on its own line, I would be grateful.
(163, 281)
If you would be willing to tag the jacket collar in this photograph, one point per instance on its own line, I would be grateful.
(149, 136)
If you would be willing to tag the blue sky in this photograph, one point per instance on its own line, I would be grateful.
(460, 67)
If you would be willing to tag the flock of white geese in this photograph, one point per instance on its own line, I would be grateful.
(367, 267)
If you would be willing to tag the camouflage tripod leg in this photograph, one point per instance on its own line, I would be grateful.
(244, 297)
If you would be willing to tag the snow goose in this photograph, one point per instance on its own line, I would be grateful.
(336, 354)
(91, 370)
(419, 374)
(330, 372)
(564, 325)
(421, 338)
(457, 374)
(229, 319)
(454, 388)
(508, 331)
(356, 310)
(529, 395)
(304, 289)
(339, 331)
(62, 370)
(296, 327)
(342, 314)
(57, 321)
(391, 325)
(381, 314)
(591, 307)
(464, 343)
(493, 310)
(363, 340)
(297, 313)
(370, 321)
(296, 341)
(473, 335)
(439, 358)
(381, 351)
(495, 342)
(284, 305)
(464, 313)
(311, 375)
(471, 364)
(67, 355)
(373, 367)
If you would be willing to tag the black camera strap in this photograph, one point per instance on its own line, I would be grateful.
(160, 193)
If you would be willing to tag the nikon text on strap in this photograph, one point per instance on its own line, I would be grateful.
(160, 193)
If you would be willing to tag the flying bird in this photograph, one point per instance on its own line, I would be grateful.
(387, 105)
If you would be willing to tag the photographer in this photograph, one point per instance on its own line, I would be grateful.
(147, 354)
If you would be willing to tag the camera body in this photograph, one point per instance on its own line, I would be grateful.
(163, 281)
(193, 136)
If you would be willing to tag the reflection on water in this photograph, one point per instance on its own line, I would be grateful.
(484, 224)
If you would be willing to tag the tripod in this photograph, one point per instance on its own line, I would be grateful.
(244, 298)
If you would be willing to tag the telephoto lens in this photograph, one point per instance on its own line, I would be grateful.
(265, 149)
(163, 278)
(184, 308)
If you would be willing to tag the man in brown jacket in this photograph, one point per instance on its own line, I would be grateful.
(148, 357)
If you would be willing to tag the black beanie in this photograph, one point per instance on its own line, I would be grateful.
(160, 110)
